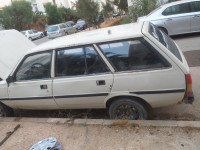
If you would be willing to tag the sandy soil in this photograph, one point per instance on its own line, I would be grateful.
(101, 137)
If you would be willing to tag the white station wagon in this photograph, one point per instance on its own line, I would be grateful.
(128, 69)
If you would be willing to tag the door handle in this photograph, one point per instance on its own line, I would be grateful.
(101, 82)
(43, 86)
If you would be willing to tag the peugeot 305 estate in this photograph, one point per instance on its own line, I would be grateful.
(127, 69)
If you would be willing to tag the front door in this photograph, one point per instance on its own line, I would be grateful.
(178, 19)
(32, 86)
(82, 79)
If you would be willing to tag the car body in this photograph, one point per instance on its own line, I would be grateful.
(177, 17)
(70, 29)
(116, 14)
(80, 25)
(127, 73)
(55, 31)
(70, 22)
(32, 34)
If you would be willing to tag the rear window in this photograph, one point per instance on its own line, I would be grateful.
(165, 40)
(53, 28)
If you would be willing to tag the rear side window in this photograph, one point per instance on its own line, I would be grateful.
(177, 9)
(165, 40)
(195, 6)
(79, 61)
(132, 55)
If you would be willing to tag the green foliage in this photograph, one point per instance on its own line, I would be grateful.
(107, 9)
(68, 14)
(54, 16)
(88, 10)
(17, 16)
(125, 20)
(121, 4)
(141, 8)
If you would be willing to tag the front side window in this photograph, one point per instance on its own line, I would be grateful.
(79, 61)
(36, 66)
(177, 9)
(132, 55)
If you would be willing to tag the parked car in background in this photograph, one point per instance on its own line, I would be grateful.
(177, 17)
(70, 29)
(116, 14)
(81, 25)
(32, 34)
(127, 73)
(70, 22)
(100, 18)
(55, 31)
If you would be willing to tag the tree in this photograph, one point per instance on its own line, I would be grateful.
(121, 4)
(68, 14)
(107, 9)
(141, 8)
(88, 10)
(54, 16)
(17, 16)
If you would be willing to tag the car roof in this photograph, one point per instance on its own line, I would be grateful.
(119, 32)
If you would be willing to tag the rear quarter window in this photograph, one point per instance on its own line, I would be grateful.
(134, 54)
(165, 40)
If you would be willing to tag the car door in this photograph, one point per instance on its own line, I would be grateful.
(195, 20)
(82, 79)
(177, 18)
(32, 86)
(62, 29)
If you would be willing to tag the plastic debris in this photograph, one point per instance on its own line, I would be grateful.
(47, 144)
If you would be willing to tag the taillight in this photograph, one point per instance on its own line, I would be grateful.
(189, 85)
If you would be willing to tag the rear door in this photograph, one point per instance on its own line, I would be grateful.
(82, 79)
(32, 86)
(177, 18)
(195, 21)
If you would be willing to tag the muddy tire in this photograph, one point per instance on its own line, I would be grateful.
(128, 109)
(5, 111)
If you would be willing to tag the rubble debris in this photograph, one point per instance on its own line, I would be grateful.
(50, 143)
(9, 134)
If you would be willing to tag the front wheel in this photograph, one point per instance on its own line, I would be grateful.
(128, 109)
(5, 111)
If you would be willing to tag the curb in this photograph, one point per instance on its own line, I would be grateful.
(140, 123)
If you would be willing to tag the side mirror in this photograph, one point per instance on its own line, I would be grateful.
(10, 79)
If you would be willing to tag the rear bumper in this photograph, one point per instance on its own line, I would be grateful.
(190, 99)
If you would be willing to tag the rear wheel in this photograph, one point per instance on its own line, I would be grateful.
(128, 109)
(5, 111)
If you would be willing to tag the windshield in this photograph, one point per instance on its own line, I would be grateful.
(52, 28)
(165, 40)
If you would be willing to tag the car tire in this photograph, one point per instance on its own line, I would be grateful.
(5, 111)
(128, 109)
(42, 35)
(164, 30)
(30, 38)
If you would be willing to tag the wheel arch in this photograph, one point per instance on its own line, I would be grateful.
(135, 98)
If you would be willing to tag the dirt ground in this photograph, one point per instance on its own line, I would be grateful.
(79, 137)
